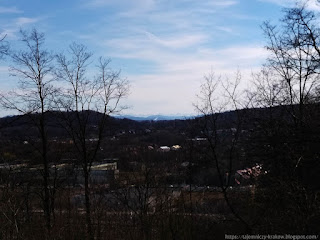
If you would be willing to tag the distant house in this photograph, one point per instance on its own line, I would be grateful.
(246, 176)
(198, 139)
(176, 147)
(104, 172)
(105, 166)
(164, 149)
(185, 164)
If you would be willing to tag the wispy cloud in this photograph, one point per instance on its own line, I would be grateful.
(281, 2)
(9, 32)
(9, 10)
(148, 47)
(223, 3)
(182, 73)
(311, 4)
(171, 45)
(96, 3)
(225, 29)
(122, 3)
(177, 41)
(21, 21)
(12, 27)
(314, 5)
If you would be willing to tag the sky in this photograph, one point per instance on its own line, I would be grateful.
(163, 47)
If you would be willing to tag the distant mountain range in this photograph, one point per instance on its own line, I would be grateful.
(154, 117)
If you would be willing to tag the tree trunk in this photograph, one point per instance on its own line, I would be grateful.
(46, 202)
(88, 205)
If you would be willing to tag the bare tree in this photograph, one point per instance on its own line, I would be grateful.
(286, 131)
(218, 95)
(33, 67)
(294, 58)
(4, 46)
(86, 99)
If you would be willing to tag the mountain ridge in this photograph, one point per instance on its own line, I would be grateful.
(155, 117)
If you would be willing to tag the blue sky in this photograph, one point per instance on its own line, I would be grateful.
(163, 47)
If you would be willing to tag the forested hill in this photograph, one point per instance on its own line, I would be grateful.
(21, 125)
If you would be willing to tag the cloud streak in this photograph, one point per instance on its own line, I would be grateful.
(21, 21)
(9, 10)
(172, 86)
(12, 27)
(223, 3)
(311, 4)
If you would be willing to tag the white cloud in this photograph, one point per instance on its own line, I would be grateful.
(280, 2)
(173, 86)
(225, 29)
(163, 93)
(96, 3)
(24, 21)
(223, 3)
(314, 5)
(12, 27)
(120, 3)
(9, 10)
(9, 32)
(146, 46)
(181, 41)
(3, 69)
(311, 4)
(174, 56)
(243, 53)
